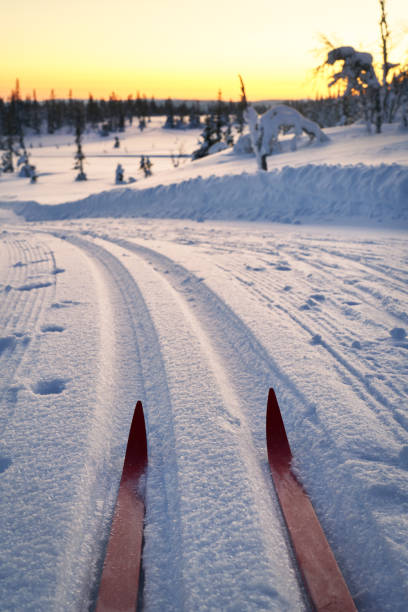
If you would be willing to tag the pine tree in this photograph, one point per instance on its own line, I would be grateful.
(169, 112)
(207, 139)
(194, 116)
(51, 113)
(11, 129)
(35, 114)
(92, 111)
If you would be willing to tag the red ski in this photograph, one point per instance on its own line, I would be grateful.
(118, 590)
(321, 574)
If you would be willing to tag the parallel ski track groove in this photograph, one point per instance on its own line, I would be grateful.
(153, 374)
(253, 357)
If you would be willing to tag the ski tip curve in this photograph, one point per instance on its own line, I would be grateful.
(136, 451)
(276, 439)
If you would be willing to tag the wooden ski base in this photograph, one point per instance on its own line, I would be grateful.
(321, 575)
(119, 586)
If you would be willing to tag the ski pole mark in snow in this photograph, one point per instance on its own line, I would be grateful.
(5, 463)
(326, 321)
(318, 297)
(63, 385)
(52, 386)
(31, 286)
(7, 343)
(398, 333)
(65, 304)
(52, 328)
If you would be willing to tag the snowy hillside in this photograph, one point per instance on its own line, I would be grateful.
(355, 177)
(164, 291)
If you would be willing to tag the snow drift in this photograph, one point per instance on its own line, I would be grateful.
(289, 194)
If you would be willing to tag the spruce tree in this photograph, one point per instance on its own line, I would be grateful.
(79, 155)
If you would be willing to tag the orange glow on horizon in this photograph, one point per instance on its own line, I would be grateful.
(190, 87)
(182, 50)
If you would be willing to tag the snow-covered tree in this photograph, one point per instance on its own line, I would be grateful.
(194, 120)
(227, 135)
(119, 174)
(207, 140)
(379, 96)
(256, 136)
(26, 169)
(79, 155)
(358, 74)
(11, 125)
(146, 165)
(169, 111)
(7, 157)
(265, 130)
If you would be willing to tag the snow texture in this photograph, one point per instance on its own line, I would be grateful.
(290, 195)
(198, 320)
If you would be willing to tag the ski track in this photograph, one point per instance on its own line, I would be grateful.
(174, 340)
(379, 400)
(140, 342)
(198, 535)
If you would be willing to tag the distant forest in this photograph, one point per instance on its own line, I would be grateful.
(19, 117)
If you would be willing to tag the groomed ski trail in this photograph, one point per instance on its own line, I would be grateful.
(201, 459)
(336, 446)
(198, 324)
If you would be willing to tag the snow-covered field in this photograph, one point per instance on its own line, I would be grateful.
(164, 291)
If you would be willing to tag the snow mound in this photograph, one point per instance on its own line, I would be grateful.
(313, 193)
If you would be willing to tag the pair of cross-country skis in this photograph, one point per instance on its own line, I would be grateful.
(119, 585)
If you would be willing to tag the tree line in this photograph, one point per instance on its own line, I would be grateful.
(19, 115)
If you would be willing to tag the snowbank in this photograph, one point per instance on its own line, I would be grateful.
(290, 194)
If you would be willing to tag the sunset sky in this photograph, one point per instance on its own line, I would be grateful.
(183, 48)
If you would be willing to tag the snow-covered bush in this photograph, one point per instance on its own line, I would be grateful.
(243, 146)
(217, 147)
(119, 174)
(27, 170)
(265, 130)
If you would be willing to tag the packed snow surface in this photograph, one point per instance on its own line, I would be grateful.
(198, 319)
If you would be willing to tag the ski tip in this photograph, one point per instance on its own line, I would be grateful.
(136, 450)
(276, 438)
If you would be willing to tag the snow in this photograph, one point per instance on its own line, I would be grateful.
(182, 290)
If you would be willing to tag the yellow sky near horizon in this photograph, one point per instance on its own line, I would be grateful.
(183, 48)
